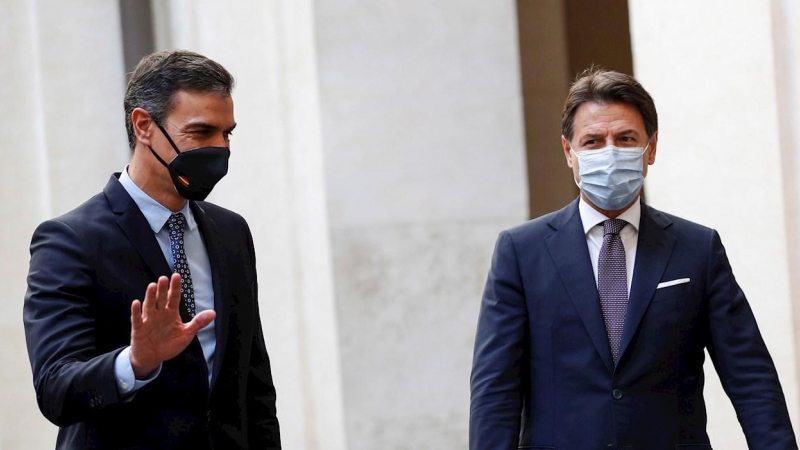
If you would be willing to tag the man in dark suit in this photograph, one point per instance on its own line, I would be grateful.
(186, 367)
(595, 318)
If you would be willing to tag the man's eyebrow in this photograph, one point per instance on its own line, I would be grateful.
(201, 125)
(590, 136)
(196, 125)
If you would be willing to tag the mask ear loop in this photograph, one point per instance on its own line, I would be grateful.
(174, 147)
(577, 159)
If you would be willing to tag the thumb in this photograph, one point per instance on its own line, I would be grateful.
(202, 319)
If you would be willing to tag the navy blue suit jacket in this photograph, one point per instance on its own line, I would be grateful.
(86, 268)
(543, 376)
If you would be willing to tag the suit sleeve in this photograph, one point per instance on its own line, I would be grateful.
(741, 359)
(263, 427)
(498, 361)
(73, 381)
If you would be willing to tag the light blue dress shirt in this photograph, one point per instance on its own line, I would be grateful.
(199, 266)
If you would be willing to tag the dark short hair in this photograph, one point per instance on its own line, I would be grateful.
(599, 85)
(160, 75)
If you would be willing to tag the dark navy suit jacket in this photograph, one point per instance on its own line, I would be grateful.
(543, 376)
(86, 268)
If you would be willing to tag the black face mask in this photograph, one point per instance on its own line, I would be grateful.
(195, 172)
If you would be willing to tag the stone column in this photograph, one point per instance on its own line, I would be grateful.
(725, 144)
(276, 181)
(786, 33)
(63, 135)
(425, 165)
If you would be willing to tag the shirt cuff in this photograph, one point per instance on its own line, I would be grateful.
(127, 383)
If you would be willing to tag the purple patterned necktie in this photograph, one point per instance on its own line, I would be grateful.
(176, 225)
(612, 282)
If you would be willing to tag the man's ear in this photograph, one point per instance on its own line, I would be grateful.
(143, 125)
(651, 157)
(567, 151)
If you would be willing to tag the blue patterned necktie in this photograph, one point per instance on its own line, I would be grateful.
(612, 282)
(176, 224)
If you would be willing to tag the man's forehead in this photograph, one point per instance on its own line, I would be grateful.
(208, 108)
(620, 117)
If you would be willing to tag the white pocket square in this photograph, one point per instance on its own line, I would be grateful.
(672, 283)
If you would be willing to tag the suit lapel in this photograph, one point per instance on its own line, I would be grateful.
(135, 227)
(570, 254)
(219, 272)
(653, 251)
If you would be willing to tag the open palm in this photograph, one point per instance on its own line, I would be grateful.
(157, 332)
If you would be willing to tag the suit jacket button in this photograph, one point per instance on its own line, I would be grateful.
(617, 394)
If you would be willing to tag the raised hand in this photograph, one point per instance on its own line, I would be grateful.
(157, 332)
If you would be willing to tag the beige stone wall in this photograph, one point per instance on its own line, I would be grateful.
(424, 164)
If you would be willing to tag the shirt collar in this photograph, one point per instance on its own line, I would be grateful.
(592, 217)
(155, 213)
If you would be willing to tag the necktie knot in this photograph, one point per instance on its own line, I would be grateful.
(176, 224)
(613, 226)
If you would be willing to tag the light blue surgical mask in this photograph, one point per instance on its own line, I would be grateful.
(611, 177)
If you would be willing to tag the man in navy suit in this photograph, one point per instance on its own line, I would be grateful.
(186, 367)
(595, 318)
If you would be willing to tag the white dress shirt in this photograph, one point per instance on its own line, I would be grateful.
(199, 267)
(593, 227)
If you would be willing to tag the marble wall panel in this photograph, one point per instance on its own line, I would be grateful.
(408, 298)
(421, 123)
(425, 164)
(422, 119)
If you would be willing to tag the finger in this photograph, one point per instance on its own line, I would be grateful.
(136, 314)
(149, 307)
(163, 288)
(174, 294)
(201, 320)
